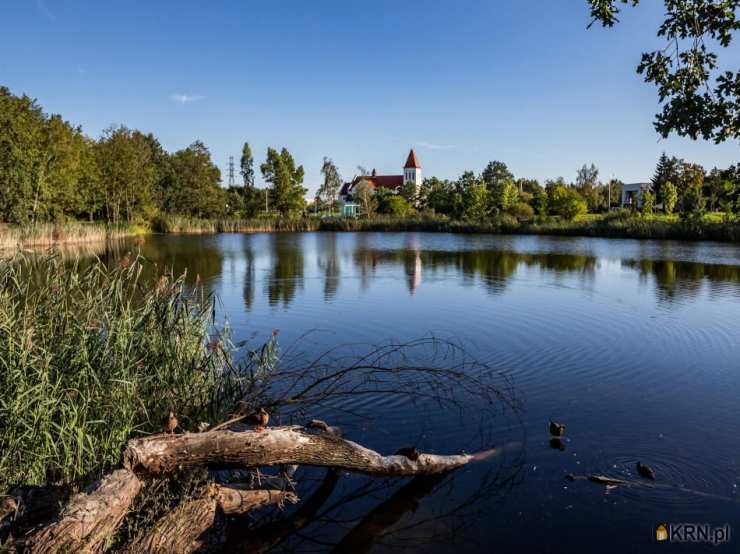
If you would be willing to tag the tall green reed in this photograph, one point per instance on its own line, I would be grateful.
(90, 357)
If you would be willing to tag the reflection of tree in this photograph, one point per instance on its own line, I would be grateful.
(286, 275)
(250, 274)
(493, 267)
(677, 279)
(329, 262)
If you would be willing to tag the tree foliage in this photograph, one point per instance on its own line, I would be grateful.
(329, 189)
(698, 99)
(287, 195)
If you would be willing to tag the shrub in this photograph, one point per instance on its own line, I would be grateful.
(648, 202)
(566, 202)
(393, 205)
(522, 211)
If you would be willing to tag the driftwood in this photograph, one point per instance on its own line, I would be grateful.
(90, 519)
(200, 524)
(163, 454)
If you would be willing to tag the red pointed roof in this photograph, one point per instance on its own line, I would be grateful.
(412, 161)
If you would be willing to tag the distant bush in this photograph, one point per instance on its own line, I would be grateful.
(566, 202)
(522, 211)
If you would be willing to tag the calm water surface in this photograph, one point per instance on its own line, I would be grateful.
(635, 345)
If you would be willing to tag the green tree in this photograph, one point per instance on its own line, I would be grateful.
(477, 200)
(540, 203)
(565, 202)
(500, 183)
(436, 195)
(22, 156)
(409, 193)
(196, 189)
(329, 189)
(365, 197)
(393, 204)
(692, 203)
(128, 173)
(670, 197)
(648, 202)
(287, 193)
(587, 183)
(698, 99)
(720, 191)
(246, 166)
(667, 169)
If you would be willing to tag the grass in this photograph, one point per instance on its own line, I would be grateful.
(50, 234)
(91, 357)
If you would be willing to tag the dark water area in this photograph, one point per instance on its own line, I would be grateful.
(634, 345)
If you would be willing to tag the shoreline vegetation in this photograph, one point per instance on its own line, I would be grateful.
(53, 178)
(110, 375)
(619, 224)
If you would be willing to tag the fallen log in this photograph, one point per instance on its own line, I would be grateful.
(163, 454)
(90, 518)
(199, 525)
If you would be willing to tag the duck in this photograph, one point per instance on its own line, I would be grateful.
(646, 471)
(170, 423)
(557, 429)
(259, 419)
(410, 452)
(556, 443)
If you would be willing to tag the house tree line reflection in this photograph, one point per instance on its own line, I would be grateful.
(279, 265)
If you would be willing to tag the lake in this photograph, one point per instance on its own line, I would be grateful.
(634, 345)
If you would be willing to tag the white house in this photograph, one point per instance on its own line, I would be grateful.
(632, 194)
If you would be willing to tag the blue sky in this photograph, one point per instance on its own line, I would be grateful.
(464, 82)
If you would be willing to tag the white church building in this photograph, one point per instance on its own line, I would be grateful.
(391, 183)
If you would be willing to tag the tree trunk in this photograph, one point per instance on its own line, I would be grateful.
(90, 519)
(200, 524)
(163, 454)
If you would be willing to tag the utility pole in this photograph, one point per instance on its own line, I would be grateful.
(232, 181)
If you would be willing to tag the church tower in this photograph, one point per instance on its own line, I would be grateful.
(412, 171)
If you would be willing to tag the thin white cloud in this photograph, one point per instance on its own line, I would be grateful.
(433, 146)
(186, 98)
(44, 9)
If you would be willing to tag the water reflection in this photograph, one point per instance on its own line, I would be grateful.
(287, 268)
(676, 279)
(283, 257)
(328, 262)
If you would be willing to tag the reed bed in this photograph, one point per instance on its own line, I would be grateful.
(616, 225)
(90, 357)
(52, 234)
(186, 225)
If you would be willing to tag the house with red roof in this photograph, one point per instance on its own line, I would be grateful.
(391, 183)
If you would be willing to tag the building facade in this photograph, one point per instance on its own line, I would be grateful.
(391, 183)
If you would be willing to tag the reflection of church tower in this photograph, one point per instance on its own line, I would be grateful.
(412, 263)
(412, 171)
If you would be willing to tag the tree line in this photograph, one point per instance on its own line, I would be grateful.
(51, 171)
(677, 186)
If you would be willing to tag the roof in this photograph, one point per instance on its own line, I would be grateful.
(412, 161)
(636, 186)
(390, 182)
